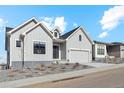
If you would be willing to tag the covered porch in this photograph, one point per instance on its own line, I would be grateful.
(59, 50)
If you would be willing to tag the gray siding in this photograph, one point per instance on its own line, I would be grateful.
(114, 51)
(15, 52)
(38, 34)
(73, 42)
(122, 51)
(63, 51)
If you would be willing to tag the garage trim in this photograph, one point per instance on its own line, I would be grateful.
(77, 49)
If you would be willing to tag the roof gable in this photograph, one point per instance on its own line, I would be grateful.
(70, 33)
(56, 29)
(35, 26)
(22, 25)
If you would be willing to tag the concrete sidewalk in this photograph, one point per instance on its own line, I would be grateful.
(55, 77)
(99, 65)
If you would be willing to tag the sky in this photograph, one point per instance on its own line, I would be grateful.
(101, 22)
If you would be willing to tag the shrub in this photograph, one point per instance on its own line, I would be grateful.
(66, 63)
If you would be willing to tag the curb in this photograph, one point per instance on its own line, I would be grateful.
(56, 77)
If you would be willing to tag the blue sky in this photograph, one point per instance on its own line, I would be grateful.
(93, 18)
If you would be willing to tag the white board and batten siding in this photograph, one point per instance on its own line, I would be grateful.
(38, 34)
(15, 52)
(122, 51)
(105, 51)
(79, 51)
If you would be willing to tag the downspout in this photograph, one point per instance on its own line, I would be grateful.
(8, 53)
(22, 40)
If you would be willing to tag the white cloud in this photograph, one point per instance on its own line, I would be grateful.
(75, 25)
(52, 22)
(60, 22)
(2, 24)
(112, 17)
(103, 34)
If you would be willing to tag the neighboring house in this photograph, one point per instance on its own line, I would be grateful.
(103, 50)
(116, 49)
(32, 43)
(99, 50)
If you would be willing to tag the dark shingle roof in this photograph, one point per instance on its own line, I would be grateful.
(6, 38)
(117, 43)
(99, 42)
(66, 35)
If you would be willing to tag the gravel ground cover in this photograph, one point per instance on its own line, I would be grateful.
(40, 70)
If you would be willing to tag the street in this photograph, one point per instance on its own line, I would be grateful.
(107, 79)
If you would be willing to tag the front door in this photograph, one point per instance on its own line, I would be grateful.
(55, 51)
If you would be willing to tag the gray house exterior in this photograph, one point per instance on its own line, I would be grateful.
(99, 50)
(116, 49)
(103, 51)
(32, 43)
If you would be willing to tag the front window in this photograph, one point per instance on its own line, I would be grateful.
(39, 47)
(18, 43)
(100, 50)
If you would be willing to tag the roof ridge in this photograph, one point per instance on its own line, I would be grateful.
(67, 34)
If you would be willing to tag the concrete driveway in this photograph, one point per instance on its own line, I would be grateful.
(99, 65)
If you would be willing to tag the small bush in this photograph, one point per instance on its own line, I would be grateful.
(67, 64)
(77, 64)
(63, 68)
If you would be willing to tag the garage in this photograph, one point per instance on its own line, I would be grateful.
(79, 55)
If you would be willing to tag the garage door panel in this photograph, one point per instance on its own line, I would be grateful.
(79, 56)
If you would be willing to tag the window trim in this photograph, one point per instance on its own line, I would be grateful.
(17, 44)
(39, 42)
(100, 50)
(57, 34)
(80, 38)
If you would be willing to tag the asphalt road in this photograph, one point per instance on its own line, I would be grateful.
(107, 79)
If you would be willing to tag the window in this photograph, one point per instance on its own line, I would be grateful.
(80, 38)
(100, 50)
(55, 34)
(39, 47)
(18, 43)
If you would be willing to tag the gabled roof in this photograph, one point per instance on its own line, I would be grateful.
(35, 26)
(22, 25)
(56, 29)
(66, 35)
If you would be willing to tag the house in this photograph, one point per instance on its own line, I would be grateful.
(116, 49)
(103, 50)
(32, 43)
(99, 50)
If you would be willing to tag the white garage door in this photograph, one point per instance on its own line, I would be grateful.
(80, 56)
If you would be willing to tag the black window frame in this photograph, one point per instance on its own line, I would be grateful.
(80, 37)
(39, 47)
(18, 43)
